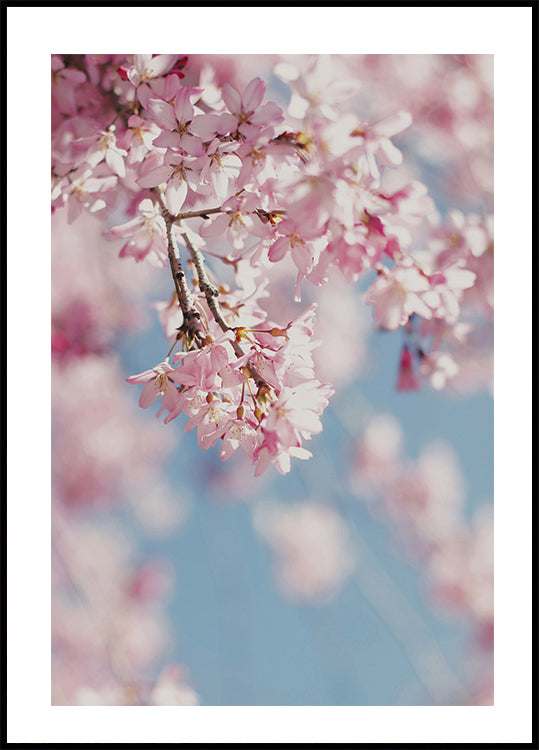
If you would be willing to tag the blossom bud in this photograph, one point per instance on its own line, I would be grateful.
(407, 380)
(240, 411)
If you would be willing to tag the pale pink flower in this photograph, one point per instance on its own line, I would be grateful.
(145, 234)
(446, 290)
(238, 434)
(221, 166)
(162, 87)
(179, 174)
(170, 317)
(397, 294)
(83, 189)
(376, 140)
(171, 689)
(159, 381)
(201, 368)
(238, 220)
(264, 457)
(439, 367)
(248, 117)
(64, 83)
(138, 138)
(146, 67)
(290, 240)
(319, 83)
(260, 162)
(292, 418)
(463, 234)
(314, 554)
(178, 122)
(103, 148)
(212, 419)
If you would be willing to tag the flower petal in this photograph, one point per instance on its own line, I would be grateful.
(232, 99)
(155, 176)
(149, 394)
(253, 94)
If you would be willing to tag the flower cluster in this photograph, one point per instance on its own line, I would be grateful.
(250, 208)
(110, 630)
(424, 501)
(266, 401)
(314, 554)
(227, 174)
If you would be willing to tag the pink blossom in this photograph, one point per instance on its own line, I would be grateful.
(248, 117)
(212, 419)
(319, 84)
(179, 174)
(83, 189)
(65, 81)
(159, 381)
(439, 367)
(238, 434)
(146, 67)
(398, 294)
(178, 122)
(138, 138)
(171, 689)
(103, 147)
(447, 285)
(407, 380)
(201, 368)
(376, 140)
(238, 220)
(292, 418)
(145, 234)
(313, 551)
(170, 316)
(221, 166)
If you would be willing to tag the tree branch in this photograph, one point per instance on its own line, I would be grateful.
(211, 293)
(191, 318)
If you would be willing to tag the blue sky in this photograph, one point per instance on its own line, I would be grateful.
(242, 643)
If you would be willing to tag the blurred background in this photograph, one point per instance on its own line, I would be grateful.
(365, 575)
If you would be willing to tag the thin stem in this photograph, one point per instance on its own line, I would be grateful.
(191, 323)
(205, 285)
(190, 315)
(201, 212)
(172, 348)
(211, 293)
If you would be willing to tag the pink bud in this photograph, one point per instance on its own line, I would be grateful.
(407, 381)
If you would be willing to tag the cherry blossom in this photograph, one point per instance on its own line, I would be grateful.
(243, 205)
(146, 67)
(209, 170)
(247, 116)
(159, 381)
(313, 552)
(146, 233)
(397, 294)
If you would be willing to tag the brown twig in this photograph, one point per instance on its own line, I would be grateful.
(191, 318)
(211, 293)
